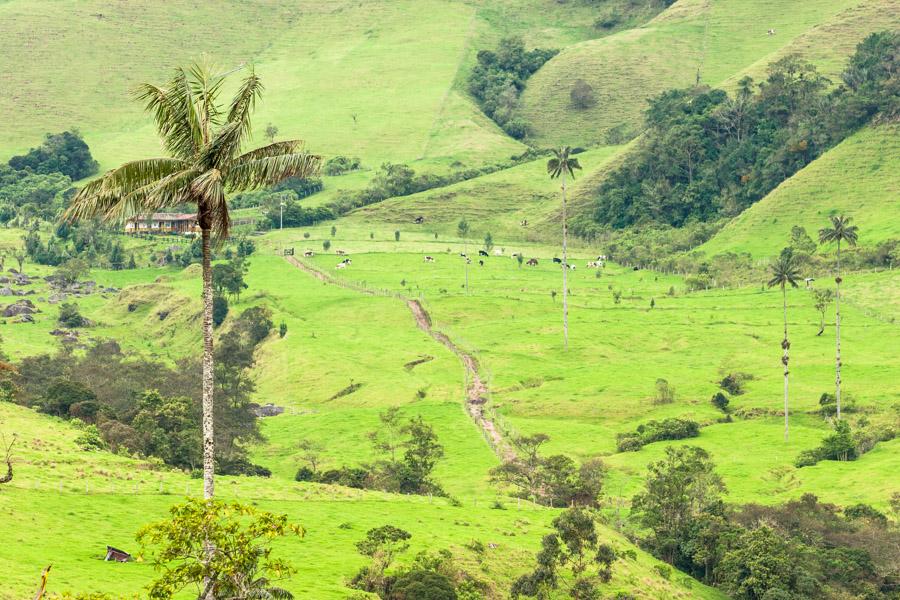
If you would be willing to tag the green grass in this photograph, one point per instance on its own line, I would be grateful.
(857, 178)
(718, 39)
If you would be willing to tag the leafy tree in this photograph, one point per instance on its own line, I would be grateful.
(679, 491)
(760, 567)
(421, 453)
(582, 94)
(785, 272)
(218, 550)
(204, 142)
(64, 153)
(326, 245)
(333, 231)
(423, 585)
(220, 309)
(840, 231)
(382, 545)
(271, 132)
(72, 270)
(397, 236)
(228, 278)
(62, 395)
(822, 299)
(488, 242)
(558, 167)
(574, 545)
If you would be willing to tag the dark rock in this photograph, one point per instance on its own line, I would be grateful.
(162, 315)
(24, 319)
(5, 291)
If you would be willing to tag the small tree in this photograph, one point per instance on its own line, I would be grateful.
(282, 329)
(326, 245)
(220, 309)
(575, 545)
(665, 393)
(382, 545)
(520, 259)
(582, 94)
(311, 453)
(397, 236)
(488, 242)
(785, 273)
(72, 270)
(69, 316)
(217, 549)
(333, 231)
(271, 132)
(822, 299)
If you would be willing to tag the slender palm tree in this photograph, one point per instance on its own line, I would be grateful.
(840, 231)
(203, 140)
(558, 167)
(785, 272)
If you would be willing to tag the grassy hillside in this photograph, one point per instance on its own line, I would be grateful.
(715, 39)
(858, 178)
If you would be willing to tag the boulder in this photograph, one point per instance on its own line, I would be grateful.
(22, 307)
(5, 291)
(24, 319)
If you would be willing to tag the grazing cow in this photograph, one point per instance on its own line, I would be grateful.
(532, 262)
(524, 223)
(309, 253)
(483, 253)
(498, 251)
(419, 220)
(636, 269)
(341, 265)
(809, 280)
(463, 255)
(601, 258)
(480, 263)
(429, 259)
(557, 261)
(771, 32)
(340, 252)
(593, 265)
(468, 261)
(347, 261)
(572, 267)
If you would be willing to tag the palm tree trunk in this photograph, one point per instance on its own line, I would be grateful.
(208, 442)
(565, 267)
(784, 360)
(837, 330)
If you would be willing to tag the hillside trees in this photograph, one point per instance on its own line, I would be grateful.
(559, 166)
(840, 231)
(573, 545)
(785, 273)
(707, 155)
(204, 142)
(64, 153)
(499, 78)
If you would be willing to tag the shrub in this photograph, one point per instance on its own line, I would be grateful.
(282, 329)
(339, 165)
(733, 383)
(305, 474)
(397, 236)
(720, 401)
(582, 94)
(655, 431)
(90, 439)
(220, 310)
(665, 393)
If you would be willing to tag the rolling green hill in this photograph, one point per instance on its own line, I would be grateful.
(858, 178)
(712, 39)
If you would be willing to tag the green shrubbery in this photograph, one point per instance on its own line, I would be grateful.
(499, 78)
(707, 155)
(655, 431)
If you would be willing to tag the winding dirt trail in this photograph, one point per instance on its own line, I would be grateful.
(476, 390)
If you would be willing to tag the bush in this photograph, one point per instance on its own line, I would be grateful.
(90, 439)
(70, 317)
(733, 383)
(665, 393)
(655, 431)
(340, 165)
(582, 94)
(720, 401)
(64, 153)
(305, 474)
(220, 310)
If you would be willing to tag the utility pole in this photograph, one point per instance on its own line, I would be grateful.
(281, 217)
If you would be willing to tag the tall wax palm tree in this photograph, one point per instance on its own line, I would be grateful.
(558, 167)
(203, 140)
(785, 272)
(840, 231)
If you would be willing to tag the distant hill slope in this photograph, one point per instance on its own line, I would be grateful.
(858, 177)
(718, 38)
(379, 79)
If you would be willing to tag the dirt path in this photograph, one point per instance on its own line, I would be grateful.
(476, 390)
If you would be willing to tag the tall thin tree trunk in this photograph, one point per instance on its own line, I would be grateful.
(565, 267)
(837, 331)
(208, 441)
(785, 345)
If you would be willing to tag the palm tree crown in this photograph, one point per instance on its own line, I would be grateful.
(785, 271)
(840, 231)
(204, 140)
(562, 164)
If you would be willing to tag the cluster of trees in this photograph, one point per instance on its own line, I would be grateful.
(341, 165)
(550, 480)
(499, 78)
(804, 549)
(86, 241)
(706, 154)
(148, 408)
(408, 454)
(844, 443)
(655, 431)
(36, 185)
(572, 547)
(430, 576)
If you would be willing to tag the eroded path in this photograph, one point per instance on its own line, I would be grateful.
(476, 390)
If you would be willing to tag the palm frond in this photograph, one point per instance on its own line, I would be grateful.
(99, 196)
(244, 102)
(785, 271)
(249, 173)
(169, 191)
(173, 110)
(205, 87)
